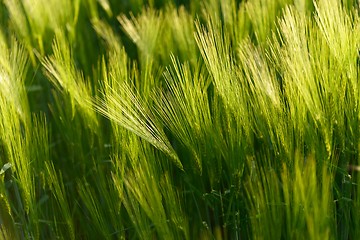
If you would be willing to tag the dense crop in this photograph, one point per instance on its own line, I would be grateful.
(179, 119)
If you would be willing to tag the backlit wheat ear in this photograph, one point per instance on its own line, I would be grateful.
(123, 105)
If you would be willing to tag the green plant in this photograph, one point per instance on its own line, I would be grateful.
(179, 119)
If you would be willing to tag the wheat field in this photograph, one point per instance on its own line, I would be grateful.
(166, 119)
